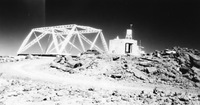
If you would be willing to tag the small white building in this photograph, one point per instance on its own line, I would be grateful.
(125, 46)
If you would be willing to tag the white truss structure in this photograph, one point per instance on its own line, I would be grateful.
(62, 36)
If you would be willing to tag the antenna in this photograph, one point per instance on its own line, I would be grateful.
(131, 25)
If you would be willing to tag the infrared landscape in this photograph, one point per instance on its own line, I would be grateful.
(93, 78)
(99, 52)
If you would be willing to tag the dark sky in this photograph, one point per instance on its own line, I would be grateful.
(159, 25)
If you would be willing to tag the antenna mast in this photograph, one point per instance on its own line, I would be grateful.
(131, 25)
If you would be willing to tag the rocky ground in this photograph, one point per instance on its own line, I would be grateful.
(168, 77)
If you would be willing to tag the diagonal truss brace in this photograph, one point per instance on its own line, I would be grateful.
(39, 42)
(32, 42)
(66, 32)
(67, 39)
(90, 42)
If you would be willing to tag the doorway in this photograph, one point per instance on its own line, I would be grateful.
(128, 47)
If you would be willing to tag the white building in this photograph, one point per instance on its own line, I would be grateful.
(125, 46)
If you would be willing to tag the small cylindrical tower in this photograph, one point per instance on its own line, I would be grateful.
(129, 32)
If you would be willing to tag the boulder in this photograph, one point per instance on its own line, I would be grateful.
(151, 69)
(196, 78)
(29, 56)
(145, 64)
(57, 59)
(77, 65)
(95, 52)
(197, 84)
(116, 75)
(184, 70)
(115, 58)
(55, 65)
(196, 70)
(181, 60)
(156, 53)
(139, 74)
(194, 60)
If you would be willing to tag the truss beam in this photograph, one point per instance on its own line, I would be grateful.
(61, 36)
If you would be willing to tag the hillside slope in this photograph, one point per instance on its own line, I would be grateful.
(163, 77)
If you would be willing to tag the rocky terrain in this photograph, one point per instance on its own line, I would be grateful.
(177, 66)
(168, 77)
(4, 59)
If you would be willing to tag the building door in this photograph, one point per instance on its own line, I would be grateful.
(128, 47)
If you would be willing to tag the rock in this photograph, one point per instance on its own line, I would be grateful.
(55, 65)
(197, 84)
(145, 64)
(115, 58)
(58, 59)
(5, 59)
(174, 68)
(156, 53)
(151, 69)
(77, 65)
(184, 70)
(116, 75)
(196, 70)
(91, 89)
(62, 60)
(181, 60)
(170, 52)
(184, 98)
(196, 78)
(29, 56)
(95, 52)
(195, 60)
(139, 74)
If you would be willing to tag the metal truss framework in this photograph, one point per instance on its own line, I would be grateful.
(63, 36)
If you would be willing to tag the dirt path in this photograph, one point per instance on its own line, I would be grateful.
(30, 69)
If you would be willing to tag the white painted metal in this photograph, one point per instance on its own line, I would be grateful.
(25, 42)
(48, 48)
(105, 46)
(54, 36)
(83, 47)
(39, 43)
(90, 42)
(61, 36)
(94, 41)
(74, 37)
(65, 42)
(33, 42)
